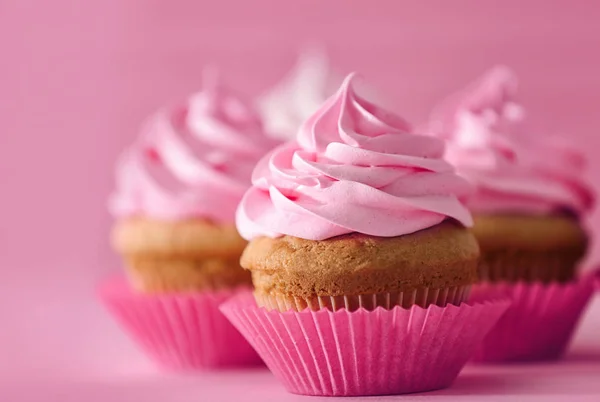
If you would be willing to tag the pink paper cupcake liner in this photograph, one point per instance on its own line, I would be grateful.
(179, 331)
(364, 352)
(422, 297)
(539, 322)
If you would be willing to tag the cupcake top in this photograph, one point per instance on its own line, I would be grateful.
(193, 160)
(300, 93)
(513, 170)
(354, 167)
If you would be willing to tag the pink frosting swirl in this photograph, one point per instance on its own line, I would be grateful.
(354, 168)
(513, 170)
(193, 160)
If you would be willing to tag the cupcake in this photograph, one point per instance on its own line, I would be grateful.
(360, 257)
(358, 212)
(529, 201)
(529, 192)
(177, 191)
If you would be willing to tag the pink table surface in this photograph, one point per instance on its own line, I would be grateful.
(573, 380)
(97, 363)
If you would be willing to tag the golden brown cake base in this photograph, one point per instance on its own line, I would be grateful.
(287, 270)
(180, 256)
(153, 275)
(529, 248)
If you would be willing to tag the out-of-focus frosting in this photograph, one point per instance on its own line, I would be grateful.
(513, 170)
(298, 95)
(301, 92)
(354, 168)
(193, 160)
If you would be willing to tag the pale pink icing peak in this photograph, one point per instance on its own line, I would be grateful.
(302, 91)
(192, 160)
(354, 168)
(513, 170)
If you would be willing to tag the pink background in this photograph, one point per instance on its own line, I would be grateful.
(77, 78)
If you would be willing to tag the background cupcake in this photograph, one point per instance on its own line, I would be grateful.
(360, 258)
(528, 206)
(530, 192)
(177, 191)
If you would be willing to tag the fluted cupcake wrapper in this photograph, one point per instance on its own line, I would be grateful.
(179, 331)
(539, 322)
(421, 297)
(379, 352)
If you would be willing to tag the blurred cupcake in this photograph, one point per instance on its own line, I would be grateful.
(358, 250)
(529, 201)
(530, 194)
(177, 191)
